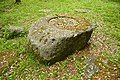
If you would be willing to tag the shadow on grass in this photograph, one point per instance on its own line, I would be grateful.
(2, 0)
(117, 1)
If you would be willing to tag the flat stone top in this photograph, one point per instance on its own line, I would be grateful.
(69, 23)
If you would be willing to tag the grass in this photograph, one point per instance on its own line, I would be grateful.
(105, 42)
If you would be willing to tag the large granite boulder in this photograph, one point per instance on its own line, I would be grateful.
(56, 36)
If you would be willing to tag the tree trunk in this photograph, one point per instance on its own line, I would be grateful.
(17, 1)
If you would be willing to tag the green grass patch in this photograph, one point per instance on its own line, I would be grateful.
(104, 12)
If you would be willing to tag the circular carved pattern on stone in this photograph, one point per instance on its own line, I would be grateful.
(69, 23)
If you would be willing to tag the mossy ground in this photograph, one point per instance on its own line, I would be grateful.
(104, 44)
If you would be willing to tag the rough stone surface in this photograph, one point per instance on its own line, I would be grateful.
(91, 67)
(12, 32)
(53, 37)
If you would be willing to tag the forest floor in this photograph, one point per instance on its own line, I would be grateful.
(99, 60)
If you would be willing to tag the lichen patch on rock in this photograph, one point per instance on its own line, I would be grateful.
(69, 23)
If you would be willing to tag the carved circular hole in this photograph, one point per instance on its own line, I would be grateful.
(53, 40)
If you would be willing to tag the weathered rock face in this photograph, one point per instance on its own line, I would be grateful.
(12, 32)
(53, 37)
